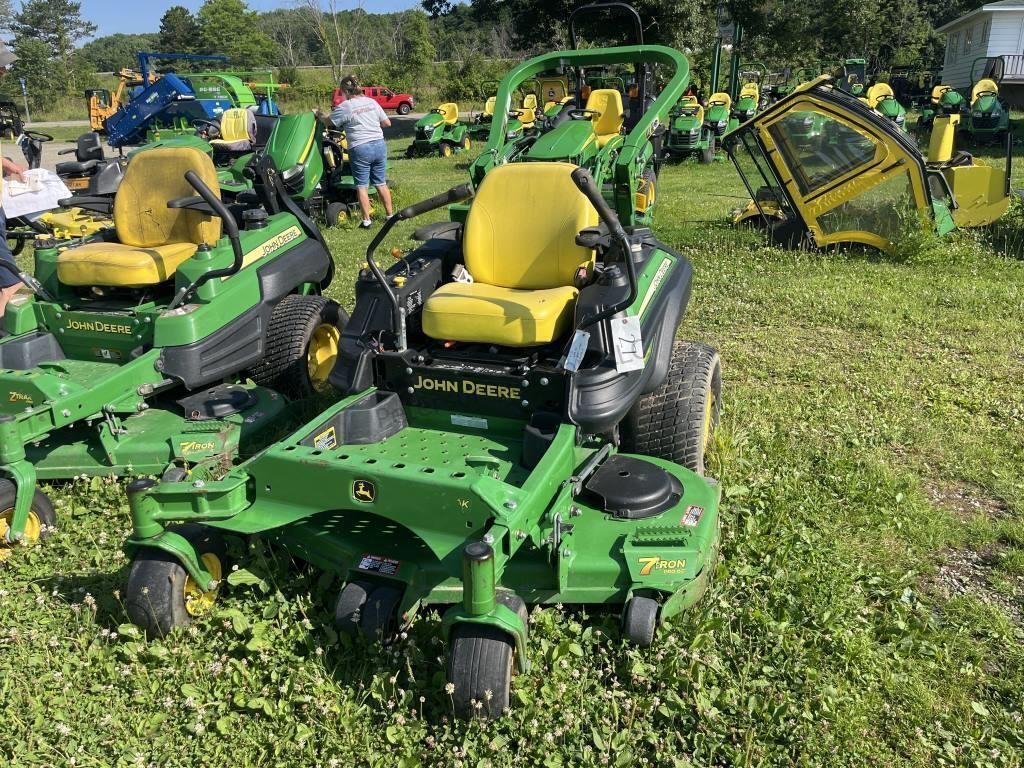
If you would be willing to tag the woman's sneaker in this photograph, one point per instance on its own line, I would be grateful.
(365, 224)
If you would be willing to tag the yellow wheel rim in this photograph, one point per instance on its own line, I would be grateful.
(709, 410)
(469, 143)
(323, 351)
(33, 531)
(197, 600)
(446, 151)
(342, 216)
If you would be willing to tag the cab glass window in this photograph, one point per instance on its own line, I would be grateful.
(886, 209)
(818, 149)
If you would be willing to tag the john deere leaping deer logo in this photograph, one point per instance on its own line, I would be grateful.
(363, 490)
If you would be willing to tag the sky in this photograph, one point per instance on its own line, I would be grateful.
(144, 15)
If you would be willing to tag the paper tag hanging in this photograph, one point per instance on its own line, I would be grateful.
(628, 344)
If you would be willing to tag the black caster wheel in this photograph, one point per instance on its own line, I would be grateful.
(639, 620)
(379, 619)
(161, 595)
(480, 670)
(348, 610)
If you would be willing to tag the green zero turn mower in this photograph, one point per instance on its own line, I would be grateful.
(439, 132)
(518, 424)
(130, 353)
(619, 140)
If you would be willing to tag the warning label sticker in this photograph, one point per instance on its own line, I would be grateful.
(385, 566)
(326, 440)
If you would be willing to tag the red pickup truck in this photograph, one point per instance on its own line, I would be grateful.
(402, 103)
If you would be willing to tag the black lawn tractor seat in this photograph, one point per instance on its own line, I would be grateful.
(524, 290)
(88, 154)
(152, 239)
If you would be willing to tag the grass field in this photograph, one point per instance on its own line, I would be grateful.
(867, 609)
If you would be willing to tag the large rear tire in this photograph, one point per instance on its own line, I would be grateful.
(675, 421)
(302, 345)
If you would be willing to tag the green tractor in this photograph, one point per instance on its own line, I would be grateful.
(620, 146)
(535, 436)
(853, 76)
(480, 125)
(689, 134)
(988, 116)
(881, 99)
(748, 101)
(439, 132)
(944, 100)
(131, 352)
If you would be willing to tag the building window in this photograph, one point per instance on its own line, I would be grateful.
(968, 39)
(951, 46)
(986, 30)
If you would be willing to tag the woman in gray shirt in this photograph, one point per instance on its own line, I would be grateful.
(363, 121)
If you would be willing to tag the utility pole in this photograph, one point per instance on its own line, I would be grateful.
(24, 96)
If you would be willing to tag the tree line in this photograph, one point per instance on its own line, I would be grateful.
(60, 54)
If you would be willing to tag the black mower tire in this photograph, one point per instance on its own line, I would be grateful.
(708, 155)
(673, 422)
(41, 509)
(155, 594)
(348, 609)
(445, 149)
(337, 214)
(480, 665)
(379, 620)
(410, 152)
(639, 620)
(294, 323)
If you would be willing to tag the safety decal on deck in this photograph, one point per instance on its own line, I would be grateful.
(364, 491)
(326, 440)
(692, 516)
(385, 566)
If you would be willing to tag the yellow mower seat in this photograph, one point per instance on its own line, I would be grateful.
(450, 112)
(937, 92)
(877, 92)
(723, 99)
(524, 293)
(153, 240)
(489, 106)
(237, 127)
(750, 91)
(608, 124)
(985, 85)
(529, 110)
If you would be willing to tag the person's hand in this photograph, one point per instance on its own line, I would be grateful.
(12, 168)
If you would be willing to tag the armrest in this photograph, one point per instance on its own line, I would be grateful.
(592, 237)
(439, 230)
(98, 203)
(192, 203)
(67, 151)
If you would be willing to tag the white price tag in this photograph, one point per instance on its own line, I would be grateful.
(629, 344)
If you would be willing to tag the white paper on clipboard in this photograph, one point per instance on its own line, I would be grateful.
(38, 193)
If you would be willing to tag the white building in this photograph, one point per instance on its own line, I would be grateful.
(993, 29)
